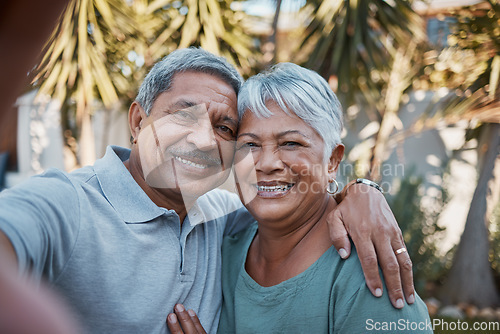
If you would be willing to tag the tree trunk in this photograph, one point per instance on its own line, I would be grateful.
(398, 83)
(274, 32)
(471, 278)
(87, 155)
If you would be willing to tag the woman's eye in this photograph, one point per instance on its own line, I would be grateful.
(291, 144)
(248, 145)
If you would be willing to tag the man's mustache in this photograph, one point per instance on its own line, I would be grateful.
(197, 155)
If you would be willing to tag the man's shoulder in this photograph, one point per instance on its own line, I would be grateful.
(54, 182)
(108, 171)
(44, 184)
(218, 203)
(82, 175)
(218, 194)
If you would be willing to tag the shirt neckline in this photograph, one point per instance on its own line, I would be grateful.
(287, 286)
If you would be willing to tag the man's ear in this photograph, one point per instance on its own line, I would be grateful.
(136, 115)
(335, 158)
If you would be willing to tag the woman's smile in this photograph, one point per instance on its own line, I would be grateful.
(273, 189)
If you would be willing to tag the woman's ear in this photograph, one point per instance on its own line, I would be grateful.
(136, 115)
(335, 158)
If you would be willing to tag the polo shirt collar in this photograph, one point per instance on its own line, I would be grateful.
(120, 189)
(195, 215)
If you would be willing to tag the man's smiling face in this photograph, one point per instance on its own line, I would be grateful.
(187, 142)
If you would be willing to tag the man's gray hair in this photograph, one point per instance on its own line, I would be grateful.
(298, 91)
(159, 78)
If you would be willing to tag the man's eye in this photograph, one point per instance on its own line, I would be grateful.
(226, 130)
(185, 115)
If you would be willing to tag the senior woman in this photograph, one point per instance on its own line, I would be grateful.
(282, 274)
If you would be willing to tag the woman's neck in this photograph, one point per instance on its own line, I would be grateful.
(276, 255)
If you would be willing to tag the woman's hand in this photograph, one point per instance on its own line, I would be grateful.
(364, 215)
(184, 322)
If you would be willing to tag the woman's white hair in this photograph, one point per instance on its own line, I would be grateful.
(159, 78)
(298, 91)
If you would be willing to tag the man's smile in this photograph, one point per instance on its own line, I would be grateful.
(190, 163)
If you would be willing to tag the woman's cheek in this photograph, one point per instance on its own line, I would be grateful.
(246, 176)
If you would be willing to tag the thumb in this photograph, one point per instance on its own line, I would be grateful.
(338, 233)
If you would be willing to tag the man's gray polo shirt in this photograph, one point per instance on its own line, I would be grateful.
(118, 259)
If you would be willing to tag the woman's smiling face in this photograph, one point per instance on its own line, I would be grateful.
(280, 166)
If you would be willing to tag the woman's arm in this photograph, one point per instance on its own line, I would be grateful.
(364, 215)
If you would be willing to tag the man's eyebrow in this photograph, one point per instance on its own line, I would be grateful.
(183, 104)
(230, 120)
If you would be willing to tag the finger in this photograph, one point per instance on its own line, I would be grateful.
(184, 319)
(391, 272)
(173, 324)
(406, 272)
(196, 321)
(368, 259)
(338, 233)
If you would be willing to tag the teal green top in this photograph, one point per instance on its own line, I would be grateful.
(329, 297)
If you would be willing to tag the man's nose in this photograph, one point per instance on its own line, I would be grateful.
(202, 135)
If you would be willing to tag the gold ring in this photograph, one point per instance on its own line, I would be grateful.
(399, 251)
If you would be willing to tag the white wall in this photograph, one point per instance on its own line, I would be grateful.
(40, 144)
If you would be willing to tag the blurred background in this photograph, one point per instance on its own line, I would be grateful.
(418, 80)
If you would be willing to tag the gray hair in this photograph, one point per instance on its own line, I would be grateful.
(159, 78)
(298, 91)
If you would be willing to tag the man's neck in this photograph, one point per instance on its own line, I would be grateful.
(170, 199)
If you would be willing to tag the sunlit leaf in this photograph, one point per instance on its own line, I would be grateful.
(351, 38)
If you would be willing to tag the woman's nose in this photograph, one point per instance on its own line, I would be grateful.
(268, 160)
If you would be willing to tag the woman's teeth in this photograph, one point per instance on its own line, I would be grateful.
(283, 187)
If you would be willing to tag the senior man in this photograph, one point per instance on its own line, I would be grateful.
(126, 239)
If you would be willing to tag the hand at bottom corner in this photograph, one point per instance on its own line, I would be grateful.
(184, 322)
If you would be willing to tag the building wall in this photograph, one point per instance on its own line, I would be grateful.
(40, 144)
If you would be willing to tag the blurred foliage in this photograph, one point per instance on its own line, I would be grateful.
(370, 51)
(355, 43)
(453, 68)
(469, 67)
(418, 223)
(495, 242)
(102, 49)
